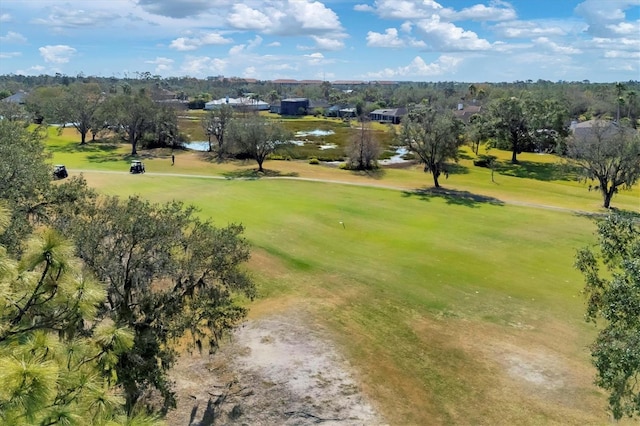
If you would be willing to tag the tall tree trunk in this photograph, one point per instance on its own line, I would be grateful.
(435, 179)
(83, 138)
(514, 159)
(607, 195)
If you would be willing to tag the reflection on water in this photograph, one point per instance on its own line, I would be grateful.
(197, 145)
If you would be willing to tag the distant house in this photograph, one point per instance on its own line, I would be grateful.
(275, 107)
(238, 103)
(465, 113)
(342, 112)
(388, 115)
(17, 98)
(294, 106)
(604, 128)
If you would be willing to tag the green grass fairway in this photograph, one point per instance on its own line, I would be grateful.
(457, 307)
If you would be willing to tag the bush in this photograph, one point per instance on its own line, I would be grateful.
(314, 161)
(484, 160)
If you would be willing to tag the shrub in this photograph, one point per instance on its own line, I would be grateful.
(484, 160)
(314, 161)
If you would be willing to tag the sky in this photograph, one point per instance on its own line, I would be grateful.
(367, 40)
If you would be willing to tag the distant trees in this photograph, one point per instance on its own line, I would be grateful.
(257, 137)
(78, 106)
(130, 114)
(614, 298)
(363, 149)
(608, 153)
(434, 136)
(526, 122)
(215, 124)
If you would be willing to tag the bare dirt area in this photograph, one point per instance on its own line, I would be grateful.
(278, 369)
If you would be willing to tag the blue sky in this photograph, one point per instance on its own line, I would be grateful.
(400, 40)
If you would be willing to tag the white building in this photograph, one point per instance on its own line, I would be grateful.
(238, 103)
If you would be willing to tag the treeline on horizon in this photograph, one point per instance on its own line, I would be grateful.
(583, 99)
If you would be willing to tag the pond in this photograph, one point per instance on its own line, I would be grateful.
(197, 145)
(313, 133)
(397, 157)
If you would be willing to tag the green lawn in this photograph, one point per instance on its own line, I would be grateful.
(455, 308)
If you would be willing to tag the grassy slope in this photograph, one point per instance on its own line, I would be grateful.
(453, 310)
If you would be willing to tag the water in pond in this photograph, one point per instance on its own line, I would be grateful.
(397, 158)
(314, 133)
(197, 145)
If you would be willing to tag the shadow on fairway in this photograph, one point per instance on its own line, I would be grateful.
(538, 171)
(378, 173)
(452, 196)
(252, 174)
(96, 147)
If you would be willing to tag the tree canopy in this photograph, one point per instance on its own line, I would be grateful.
(57, 360)
(614, 297)
(257, 137)
(168, 274)
(608, 153)
(432, 135)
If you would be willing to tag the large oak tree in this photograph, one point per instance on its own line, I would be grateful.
(433, 136)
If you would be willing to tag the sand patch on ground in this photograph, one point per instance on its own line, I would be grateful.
(275, 370)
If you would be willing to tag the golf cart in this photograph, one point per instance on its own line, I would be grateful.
(60, 171)
(136, 167)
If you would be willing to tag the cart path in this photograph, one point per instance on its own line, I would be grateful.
(343, 182)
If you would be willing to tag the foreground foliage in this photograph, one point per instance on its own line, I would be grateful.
(615, 298)
(168, 275)
(57, 361)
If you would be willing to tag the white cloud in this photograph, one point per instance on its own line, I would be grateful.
(419, 68)
(203, 65)
(34, 70)
(625, 28)
(5, 17)
(59, 54)
(405, 9)
(328, 43)
(71, 17)
(245, 18)
(274, 44)
(288, 17)
(604, 16)
(315, 58)
(250, 72)
(247, 47)
(544, 42)
(388, 39)
(162, 64)
(9, 55)
(498, 11)
(621, 54)
(445, 36)
(193, 43)
(180, 9)
(13, 37)
(528, 29)
(363, 8)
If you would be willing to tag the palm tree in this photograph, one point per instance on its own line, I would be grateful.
(619, 99)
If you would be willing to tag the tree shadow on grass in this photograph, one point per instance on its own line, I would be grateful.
(254, 174)
(538, 171)
(378, 173)
(98, 147)
(453, 196)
